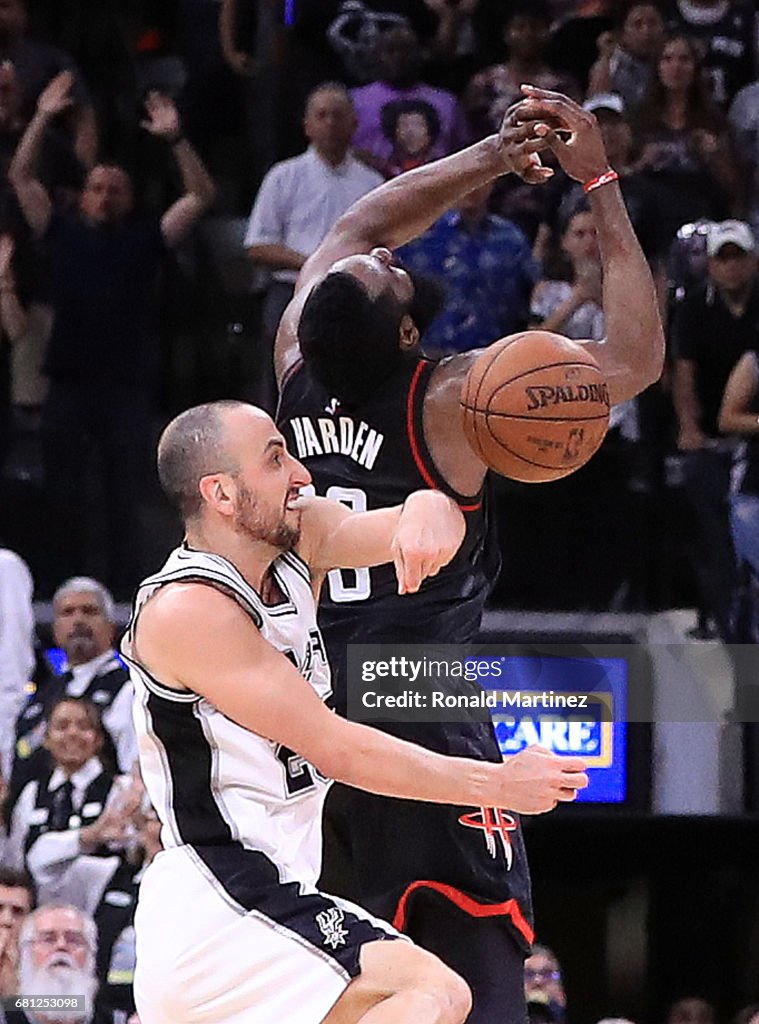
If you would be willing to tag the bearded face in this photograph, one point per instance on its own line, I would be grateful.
(271, 522)
(61, 976)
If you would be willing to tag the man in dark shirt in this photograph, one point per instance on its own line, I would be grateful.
(713, 327)
(103, 284)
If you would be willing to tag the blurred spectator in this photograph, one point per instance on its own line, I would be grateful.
(102, 351)
(399, 61)
(740, 415)
(36, 64)
(17, 897)
(691, 1010)
(486, 270)
(25, 325)
(543, 984)
(298, 202)
(627, 63)
(725, 32)
(712, 328)
(106, 886)
(466, 39)
(573, 307)
(413, 128)
(744, 122)
(84, 626)
(58, 950)
(492, 91)
(683, 144)
(638, 193)
(66, 797)
(16, 648)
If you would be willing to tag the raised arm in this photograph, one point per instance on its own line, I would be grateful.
(632, 354)
(259, 688)
(199, 190)
(403, 208)
(31, 193)
(419, 537)
(14, 319)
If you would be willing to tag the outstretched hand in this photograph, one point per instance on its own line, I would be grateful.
(55, 97)
(163, 117)
(571, 132)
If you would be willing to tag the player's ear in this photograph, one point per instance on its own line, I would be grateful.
(409, 333)
(218, 492)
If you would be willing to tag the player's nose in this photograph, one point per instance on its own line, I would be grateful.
(300, 476)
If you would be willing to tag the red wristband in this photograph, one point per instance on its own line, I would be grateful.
(603, 179)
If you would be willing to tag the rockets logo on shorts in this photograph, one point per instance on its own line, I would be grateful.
(330, 924)
(493, 821)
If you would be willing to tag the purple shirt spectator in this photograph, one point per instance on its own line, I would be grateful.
(398, 61)
(370, 100)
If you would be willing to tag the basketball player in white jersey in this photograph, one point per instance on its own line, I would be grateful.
(237, 746)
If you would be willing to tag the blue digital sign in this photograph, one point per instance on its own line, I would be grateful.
(572, 706)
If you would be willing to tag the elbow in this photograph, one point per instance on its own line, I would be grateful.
(725, 422)
(207, 196)
(16, 176)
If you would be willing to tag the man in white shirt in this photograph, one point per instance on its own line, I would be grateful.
(298, 202)
(16, 647)
(84, 626)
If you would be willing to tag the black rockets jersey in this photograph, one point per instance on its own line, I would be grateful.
(369, 457)
(373, 457)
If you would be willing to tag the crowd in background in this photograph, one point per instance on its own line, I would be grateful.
(165, 170)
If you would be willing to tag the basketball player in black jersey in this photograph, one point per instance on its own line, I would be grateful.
(373, 420)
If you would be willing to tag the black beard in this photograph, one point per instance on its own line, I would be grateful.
(428, 301)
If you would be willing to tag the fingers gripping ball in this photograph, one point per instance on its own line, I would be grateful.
(536, 406)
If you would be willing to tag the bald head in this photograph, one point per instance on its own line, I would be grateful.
(196, 444)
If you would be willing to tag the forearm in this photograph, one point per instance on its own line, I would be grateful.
(368, 759)
(196, 180)
(276, 257)
(227, 15)
(687, 407)
(86, 137)
(406, 206)
(633, 352)
(739, 423)
(13, 317)
(24, 163)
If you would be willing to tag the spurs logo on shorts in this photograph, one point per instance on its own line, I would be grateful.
(493, 822)
(330, 924)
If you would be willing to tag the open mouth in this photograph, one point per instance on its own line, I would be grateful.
(294, 500)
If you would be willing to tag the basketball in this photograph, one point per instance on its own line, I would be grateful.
(536, 406)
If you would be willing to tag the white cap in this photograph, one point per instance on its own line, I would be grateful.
(605, 101)
(730, 232)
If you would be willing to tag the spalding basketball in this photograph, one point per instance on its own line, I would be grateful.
(536, 406)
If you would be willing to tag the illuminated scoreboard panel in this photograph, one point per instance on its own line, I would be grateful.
(596, 732)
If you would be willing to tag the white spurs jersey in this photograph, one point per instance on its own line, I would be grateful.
(211, 781)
